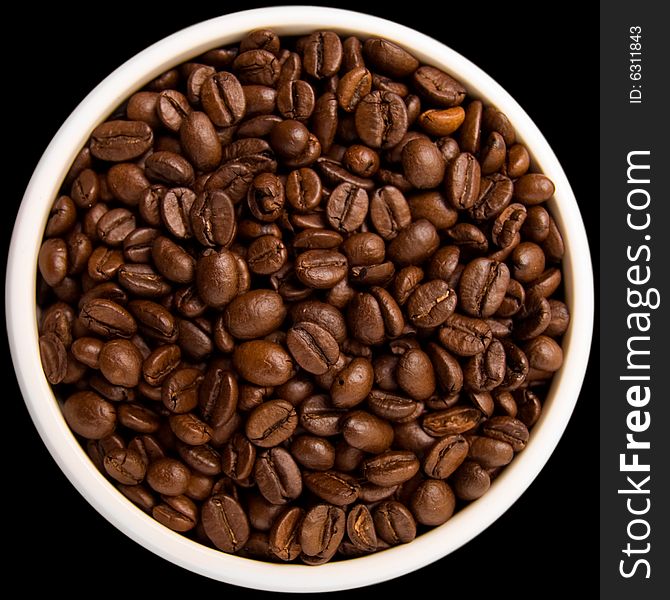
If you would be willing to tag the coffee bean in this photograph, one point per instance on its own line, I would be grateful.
(313, 452)
(333, 487)
(277, 476)
(168, 476)
(431, 303)
(199, 140)
(422, 163)
(389, 212)
(462, 181)
(223, 99)
(507, 429)
(216, 277)
(271, 423)
(312, 347)
(361, 528)
(121, 363)
(458, 419)
(54, 357)
(119, 141)
(470, 481)
(488, 452)
(89, 415)
(179, 513)
(391, 467)
(438, 87)
(266, 255)
(533, 188)
(352, 384)
(263, 363)
(125, 466)
(353, 87)
(321, 269)
(284, 537)
(367, 432)
(445, 456)
(381, 119)
(347, 207)
(414, 244)
(322, 54)
(433, 502)
(225, 523)
(394, 523)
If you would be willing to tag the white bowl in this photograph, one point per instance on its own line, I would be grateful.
(45, 411)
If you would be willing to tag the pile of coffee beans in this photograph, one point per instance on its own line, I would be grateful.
(300, 298)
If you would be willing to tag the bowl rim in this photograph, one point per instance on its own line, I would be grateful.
(44, 410)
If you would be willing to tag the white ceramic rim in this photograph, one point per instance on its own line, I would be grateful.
(44, 409)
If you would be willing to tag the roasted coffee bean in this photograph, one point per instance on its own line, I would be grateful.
(172, 107)
(107, 318)
(254, 314)
(160, 363)
(367, 432)
(507, 429)
(212, 218)
(225, 523)
(445, 456)
(457, 419)
(422, 163)
(121, 363)
(347, 207)
(190, 429)
(223, 99)
(179, 391)
(489, 452)
(172, 261)
(462, 181)
(414, 244)
(141, 280)
(238, 457)
(352, 384)
(267, 254)
(199, 141)
(284, 540)
(168, 476)
(415, 374)
(216, 277)
(389, 212)
(353, 87)
(394, 523)
(321, 269)
(89, 415)
(391, 467)
(333, 487)
(312, 347)
(119, 141)
(313, 452)
(470, 481)
(154, 320)
(533, 188)
(179, 513)
(263, 363)
(54, 357)
(85, 190)
(361, 528)
(381, 119)
(271, 423)
(125, 466)
(483, 286)
(138, 418)
(438, 87)
(322, 530)
(266, 197)
(431, 303)
(465, 336)
(442, 122)
(303, 189)
(52, 261)
(277, 476)
(433, 502)
(560, 319)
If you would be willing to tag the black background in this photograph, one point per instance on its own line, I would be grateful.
(549, 64)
